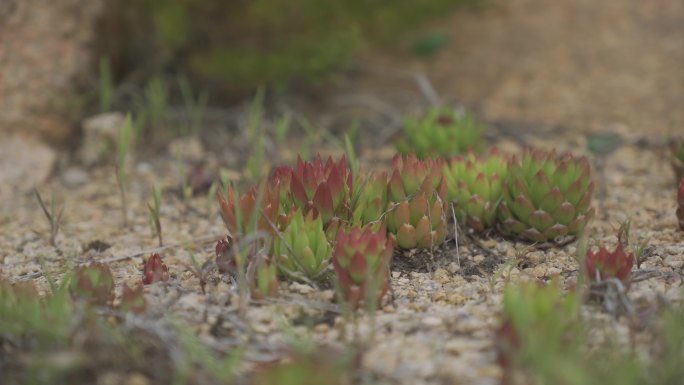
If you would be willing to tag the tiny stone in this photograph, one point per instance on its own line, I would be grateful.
(455, 299)
(439, 296)
(301, 288)
(137, 379)
(453, 267)
(431, 321)
(74, 176)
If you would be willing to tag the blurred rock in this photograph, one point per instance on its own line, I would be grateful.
(189, 149)
(46, 56)
(25, 163)
(100, 136)
(74, 177)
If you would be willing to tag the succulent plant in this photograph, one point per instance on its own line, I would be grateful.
(155, 270)
(604, 264)
(475, 186)
(416, 211)
(324, 189)
(94, 283)
(410, 173)
(263, 279)
(361, 259)
(545, 196)
(302, 249)
(371, 201)
(680, 204)
(224, 260)
(133, 300)
(677, 151)
(537, 318)
(240, 216)
(442, 132)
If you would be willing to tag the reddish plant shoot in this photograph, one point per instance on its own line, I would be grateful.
(155, 270)
(361, 259)
(604, 264)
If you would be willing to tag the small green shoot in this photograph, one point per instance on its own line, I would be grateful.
(282, 127)
(154, 211)
(255, 163)
(157, 98)
(195, 105)
(351, 155)
(121, 175)
(53, 220)
(185, 188)
(211, 198)
(106, 85)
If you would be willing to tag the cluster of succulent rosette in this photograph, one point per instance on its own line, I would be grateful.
(441, 132)
(475, 185)
(546, 196)
(318, 214)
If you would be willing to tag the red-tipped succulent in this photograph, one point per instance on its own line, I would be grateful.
(361, 259)
(410, 173)
(604, 264)
(417, 204)
(94, 283)
(324, 189)
(680, 204)
(240, 216)
(224, 258)
(155, 270)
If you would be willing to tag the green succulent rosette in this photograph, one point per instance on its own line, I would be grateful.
(416, 211)
(441, 132)
(545, 196)
(475, 187)
(302, 250)
(371, 200)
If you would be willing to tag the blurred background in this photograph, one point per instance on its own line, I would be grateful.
(192, 68)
